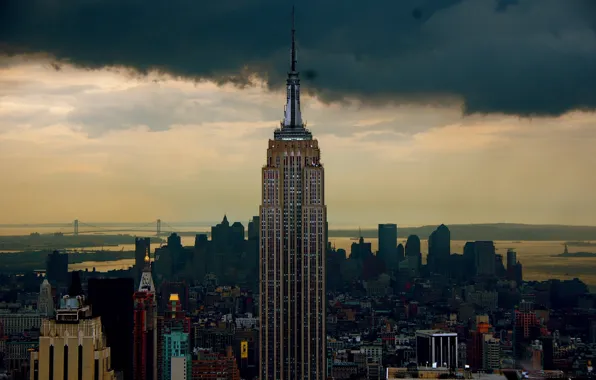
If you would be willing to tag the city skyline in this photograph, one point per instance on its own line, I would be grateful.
(108, 144)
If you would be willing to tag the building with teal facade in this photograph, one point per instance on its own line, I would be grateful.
(177, 359)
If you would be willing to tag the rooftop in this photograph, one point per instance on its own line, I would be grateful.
(435, 333)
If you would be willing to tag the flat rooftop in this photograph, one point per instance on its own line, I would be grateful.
(429, 333)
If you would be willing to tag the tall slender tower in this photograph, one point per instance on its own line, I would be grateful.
(145, 327)
(293, 216)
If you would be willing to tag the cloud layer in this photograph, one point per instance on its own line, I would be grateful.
(520, 57)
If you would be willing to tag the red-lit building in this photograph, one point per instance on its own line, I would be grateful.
(475, 346)
(145, 327)
(214, 366)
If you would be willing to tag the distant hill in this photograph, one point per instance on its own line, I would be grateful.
(496, 231)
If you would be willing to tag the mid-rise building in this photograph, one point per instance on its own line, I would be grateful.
(176, 355)
(491, 353)
(19, 322)
(436, 349)
(211, 365)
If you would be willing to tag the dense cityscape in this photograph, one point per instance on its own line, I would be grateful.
(277, 300)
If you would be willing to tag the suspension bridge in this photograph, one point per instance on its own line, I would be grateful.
(77, 227)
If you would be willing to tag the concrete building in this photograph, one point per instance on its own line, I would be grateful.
(176, 356)
(45, 304)
(145, 327)
(72, 346)
(387, 235)
(17, 323)
(436, 349)
(211, 365)
(491, 353)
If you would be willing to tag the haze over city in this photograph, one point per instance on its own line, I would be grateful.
(421, 122)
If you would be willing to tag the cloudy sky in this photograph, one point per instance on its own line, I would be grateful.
(427, 111)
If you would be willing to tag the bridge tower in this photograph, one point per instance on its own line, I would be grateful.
(76, 227)
(158, 227)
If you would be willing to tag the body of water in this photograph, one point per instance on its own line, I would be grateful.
(537, 257)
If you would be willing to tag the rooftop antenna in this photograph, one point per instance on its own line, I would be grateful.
(293, 41)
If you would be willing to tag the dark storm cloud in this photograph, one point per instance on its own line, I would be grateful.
(524, 57)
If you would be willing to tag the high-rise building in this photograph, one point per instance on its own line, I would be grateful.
(112, 300)
(145, 327)
(72, 346)
(177, 359)
(142, 249)
(484, 253)
(293, 217)
(57, 268)
(439, 250)
(387, 235)
(45, 304)
(174, 318)
(413, 253)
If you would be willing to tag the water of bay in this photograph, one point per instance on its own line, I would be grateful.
(538, 257)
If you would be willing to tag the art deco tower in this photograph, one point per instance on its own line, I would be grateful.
(292, 248)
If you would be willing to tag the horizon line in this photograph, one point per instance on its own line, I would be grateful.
(344, 226)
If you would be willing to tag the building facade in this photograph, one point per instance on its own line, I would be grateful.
(145, 327)
(45, 303)
(72, 346)
(176, 355)
(436, 349)
(293, 219)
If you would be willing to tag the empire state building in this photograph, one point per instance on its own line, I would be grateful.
(292, 248)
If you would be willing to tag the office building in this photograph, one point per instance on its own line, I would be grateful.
(177, 360)
(209, 365)
(484, 254)
(111, 299)
(439, 250)
(293, 219)
(72, 346)
(436, 349)
(57, 268)
(145, 327)
(45, 303)
(387, 235)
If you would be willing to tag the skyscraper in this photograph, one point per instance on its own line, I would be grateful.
(292, 248)
(145, 327)
(45, 305)
(112, 300)
(439, 250)
(388, 246)
(72, 346)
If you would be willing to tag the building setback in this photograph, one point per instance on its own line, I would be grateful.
(293, 219)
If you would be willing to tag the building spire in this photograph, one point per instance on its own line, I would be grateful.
(292, 127)
(292, 115)
(293, 65)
